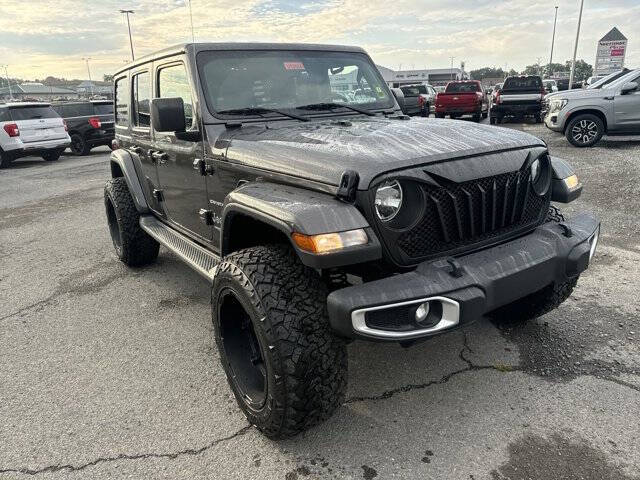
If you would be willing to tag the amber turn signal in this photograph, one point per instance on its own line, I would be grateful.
(330, 242)
(571, 182)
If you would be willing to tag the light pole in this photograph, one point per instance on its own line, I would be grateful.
(86, 59)
(193, 36)
(451, 70)
(553, 40)
(6, 74)
(127, 12)
(575, 47)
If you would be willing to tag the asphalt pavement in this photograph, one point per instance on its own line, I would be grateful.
(110, 372)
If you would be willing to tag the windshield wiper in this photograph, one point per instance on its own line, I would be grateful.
(331, 106)
(259, 111)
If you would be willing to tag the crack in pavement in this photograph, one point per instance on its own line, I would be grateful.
(471, 367)
(125, 456)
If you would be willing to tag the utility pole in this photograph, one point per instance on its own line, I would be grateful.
(6, 74)
(553, 40)
(193, 36)
(127, 12)
(86, 59)
(575, 47)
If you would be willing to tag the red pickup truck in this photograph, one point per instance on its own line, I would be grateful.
(462, 98)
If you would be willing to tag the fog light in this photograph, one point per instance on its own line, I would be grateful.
(422, 312)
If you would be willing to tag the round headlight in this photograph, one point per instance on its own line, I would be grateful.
(388, 200)
(541, 175)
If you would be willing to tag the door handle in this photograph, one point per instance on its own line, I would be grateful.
(159, 157)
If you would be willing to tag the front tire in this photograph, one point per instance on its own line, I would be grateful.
(52, 156)
(584, 130)
(286, 368)
(133, 245)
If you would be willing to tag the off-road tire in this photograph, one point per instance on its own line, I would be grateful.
(52, 155)
(592, 123)
(79, 145)
(305, 363)
(134, 246)
(542, 301)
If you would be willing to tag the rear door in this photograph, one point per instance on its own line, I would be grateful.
(37, 123)
(184, 189)
(627, 110)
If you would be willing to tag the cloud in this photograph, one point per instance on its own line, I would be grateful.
(37, 40)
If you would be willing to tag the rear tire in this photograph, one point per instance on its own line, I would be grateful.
(485, 115)
(492, 120)
(133, 245)
(79, 145)
(439, 115)
(584, 130)
(286, 368)
(52, 156)
(5, 160)
(476, 117)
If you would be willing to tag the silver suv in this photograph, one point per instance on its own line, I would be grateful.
(584, 116)
(31, 129)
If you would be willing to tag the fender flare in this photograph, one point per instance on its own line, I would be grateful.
(122, 165)
(291, 209)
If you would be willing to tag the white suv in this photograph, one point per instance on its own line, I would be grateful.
(31, 129)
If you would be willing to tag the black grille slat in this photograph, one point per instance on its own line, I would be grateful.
(461, 214)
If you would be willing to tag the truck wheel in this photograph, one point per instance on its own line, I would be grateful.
(492, 120)
(133, 245)
(79, 145)
(439, 115)
(52, 155)
(286, 368)
(584, 130)
(535, 304)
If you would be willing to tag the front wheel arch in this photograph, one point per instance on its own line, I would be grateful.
(591, 111)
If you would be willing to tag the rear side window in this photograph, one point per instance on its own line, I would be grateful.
(75, 110)
(103, 108)
(122, 102)
(522, 83)
(414, 90)
(462, 88)
(32, 113)
(141, 100)
(173, 82)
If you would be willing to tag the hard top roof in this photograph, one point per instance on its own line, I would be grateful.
(25, 104)
(200, 47)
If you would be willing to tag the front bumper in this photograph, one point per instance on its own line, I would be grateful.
(554, 121)
(482, 282)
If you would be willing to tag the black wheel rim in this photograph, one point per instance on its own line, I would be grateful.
(584, 131)
(77, 145)
(114, 229)
(242, 351)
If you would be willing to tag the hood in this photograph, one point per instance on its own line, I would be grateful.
(323, 150)
(583, 93)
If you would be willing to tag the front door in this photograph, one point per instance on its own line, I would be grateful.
(627, 110)
(184, 189)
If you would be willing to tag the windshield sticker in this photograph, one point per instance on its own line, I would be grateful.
(380, 91)
(293, 66)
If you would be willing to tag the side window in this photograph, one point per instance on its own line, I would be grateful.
(173, 82)
(122, 102)
(141, 100)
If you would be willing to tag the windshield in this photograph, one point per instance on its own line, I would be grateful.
(103, 108)
(614, 80)
(33, 112)
(286, 80)
(462, 88)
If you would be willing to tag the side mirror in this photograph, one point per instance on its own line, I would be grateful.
(167, 115)
(629, 87)
(397, 93)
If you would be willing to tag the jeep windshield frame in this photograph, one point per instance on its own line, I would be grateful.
(288, 79)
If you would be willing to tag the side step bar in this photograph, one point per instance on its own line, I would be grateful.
(197, 257)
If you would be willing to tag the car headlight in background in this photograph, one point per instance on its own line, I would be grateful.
(557, 104)
(388, 200)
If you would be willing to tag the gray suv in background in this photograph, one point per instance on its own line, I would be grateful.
(584, 116)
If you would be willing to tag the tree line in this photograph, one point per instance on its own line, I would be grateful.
(582, 72)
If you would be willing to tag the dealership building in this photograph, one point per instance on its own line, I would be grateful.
(433, 76)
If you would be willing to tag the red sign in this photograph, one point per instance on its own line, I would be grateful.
(293, 66)
(617, 52)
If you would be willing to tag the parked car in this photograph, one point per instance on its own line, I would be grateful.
(419, 99)
(90, 124)
(317, 222)
(584, 116)
(519, 97)
(462, 98)
(550, 85)
(31, 129)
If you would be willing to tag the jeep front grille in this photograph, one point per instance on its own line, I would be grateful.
(458, 215)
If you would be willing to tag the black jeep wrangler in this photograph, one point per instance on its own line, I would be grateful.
(320, 217)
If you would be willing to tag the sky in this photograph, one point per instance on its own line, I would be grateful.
(39, 38)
